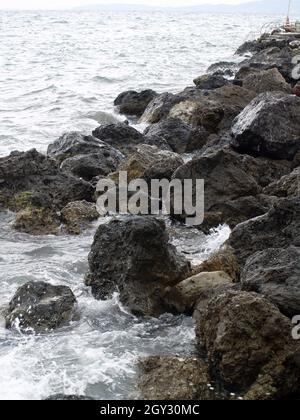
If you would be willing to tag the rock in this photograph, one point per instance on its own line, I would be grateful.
(120, 136)
(77, 215)
(275, 273)
(64, 397)
(32, 180)
(159, 108)
(173, 378)
(296, 89)
(132, 255)
(183, 297)
(248, 342)
(262, 129)
(74, 144)
(222, 260)
(287, 186)
(93, 165)
(274, 57)
(215, 109)
(267, 81)
(40, 307)
(224, 176)
(37, 221)
(181, 137)
(224, 68)
(149, 162)
(134, 103)
(279, 228)
(211, 81)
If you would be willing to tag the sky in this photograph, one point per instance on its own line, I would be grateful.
(63, 4)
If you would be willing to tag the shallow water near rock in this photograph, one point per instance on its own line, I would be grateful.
(64, 76)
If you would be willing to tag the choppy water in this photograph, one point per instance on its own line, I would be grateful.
(58, 72)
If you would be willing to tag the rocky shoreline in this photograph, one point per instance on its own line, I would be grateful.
(241, 134)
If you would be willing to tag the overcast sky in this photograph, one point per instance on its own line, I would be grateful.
(62, 4)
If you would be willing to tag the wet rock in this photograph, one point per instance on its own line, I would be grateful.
(92, 165)
(40, 307)
(134, 103)
(37, 221)
(183, 297)
(225, 179)
(181, 137)
(149, 162)
(262, 129)
(279, 228)
(74, 143)
(224, 68)
(32, 180)
(287, 186)
(77, 216)
(249, 345)
(267, 81)
(275, 273)
(211, 81)
(132, 255)
(173, 378)
(120, 136)
(64, 397)
(222, 260)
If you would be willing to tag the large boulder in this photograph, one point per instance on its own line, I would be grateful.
(149, 162)
(249, 345)
(40, 307)
(167, 378)
(269, 126)
(134, 103)
(120, 136)
(30, 179)
(279, 228)
(159, 108)
(181, 137)
(267, 81)
(275, 273)
(37, 221)
(183, 297)
(132, 255)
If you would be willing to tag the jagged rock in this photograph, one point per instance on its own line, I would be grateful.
(275, 273)
(181, 137)
(249, 345)
(92, 165)
(120, 136)
(225, 180)
(40, 307)
(269, 126)
(32, 180)
(77, 215)
(132, 255)
(222, 260)
(74, 144)
(159, 108)
(173, 378)
(279, 228)
(210, 81)
(287, 186)
(134, 103)
(183, 297)
(37, 221)
(266, 81)
(223, 68)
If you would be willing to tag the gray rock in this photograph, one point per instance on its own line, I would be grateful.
(211, 81)
(40, 307)
(267, 81)
(134, 103)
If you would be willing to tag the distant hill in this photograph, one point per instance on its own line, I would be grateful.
(259, 6)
